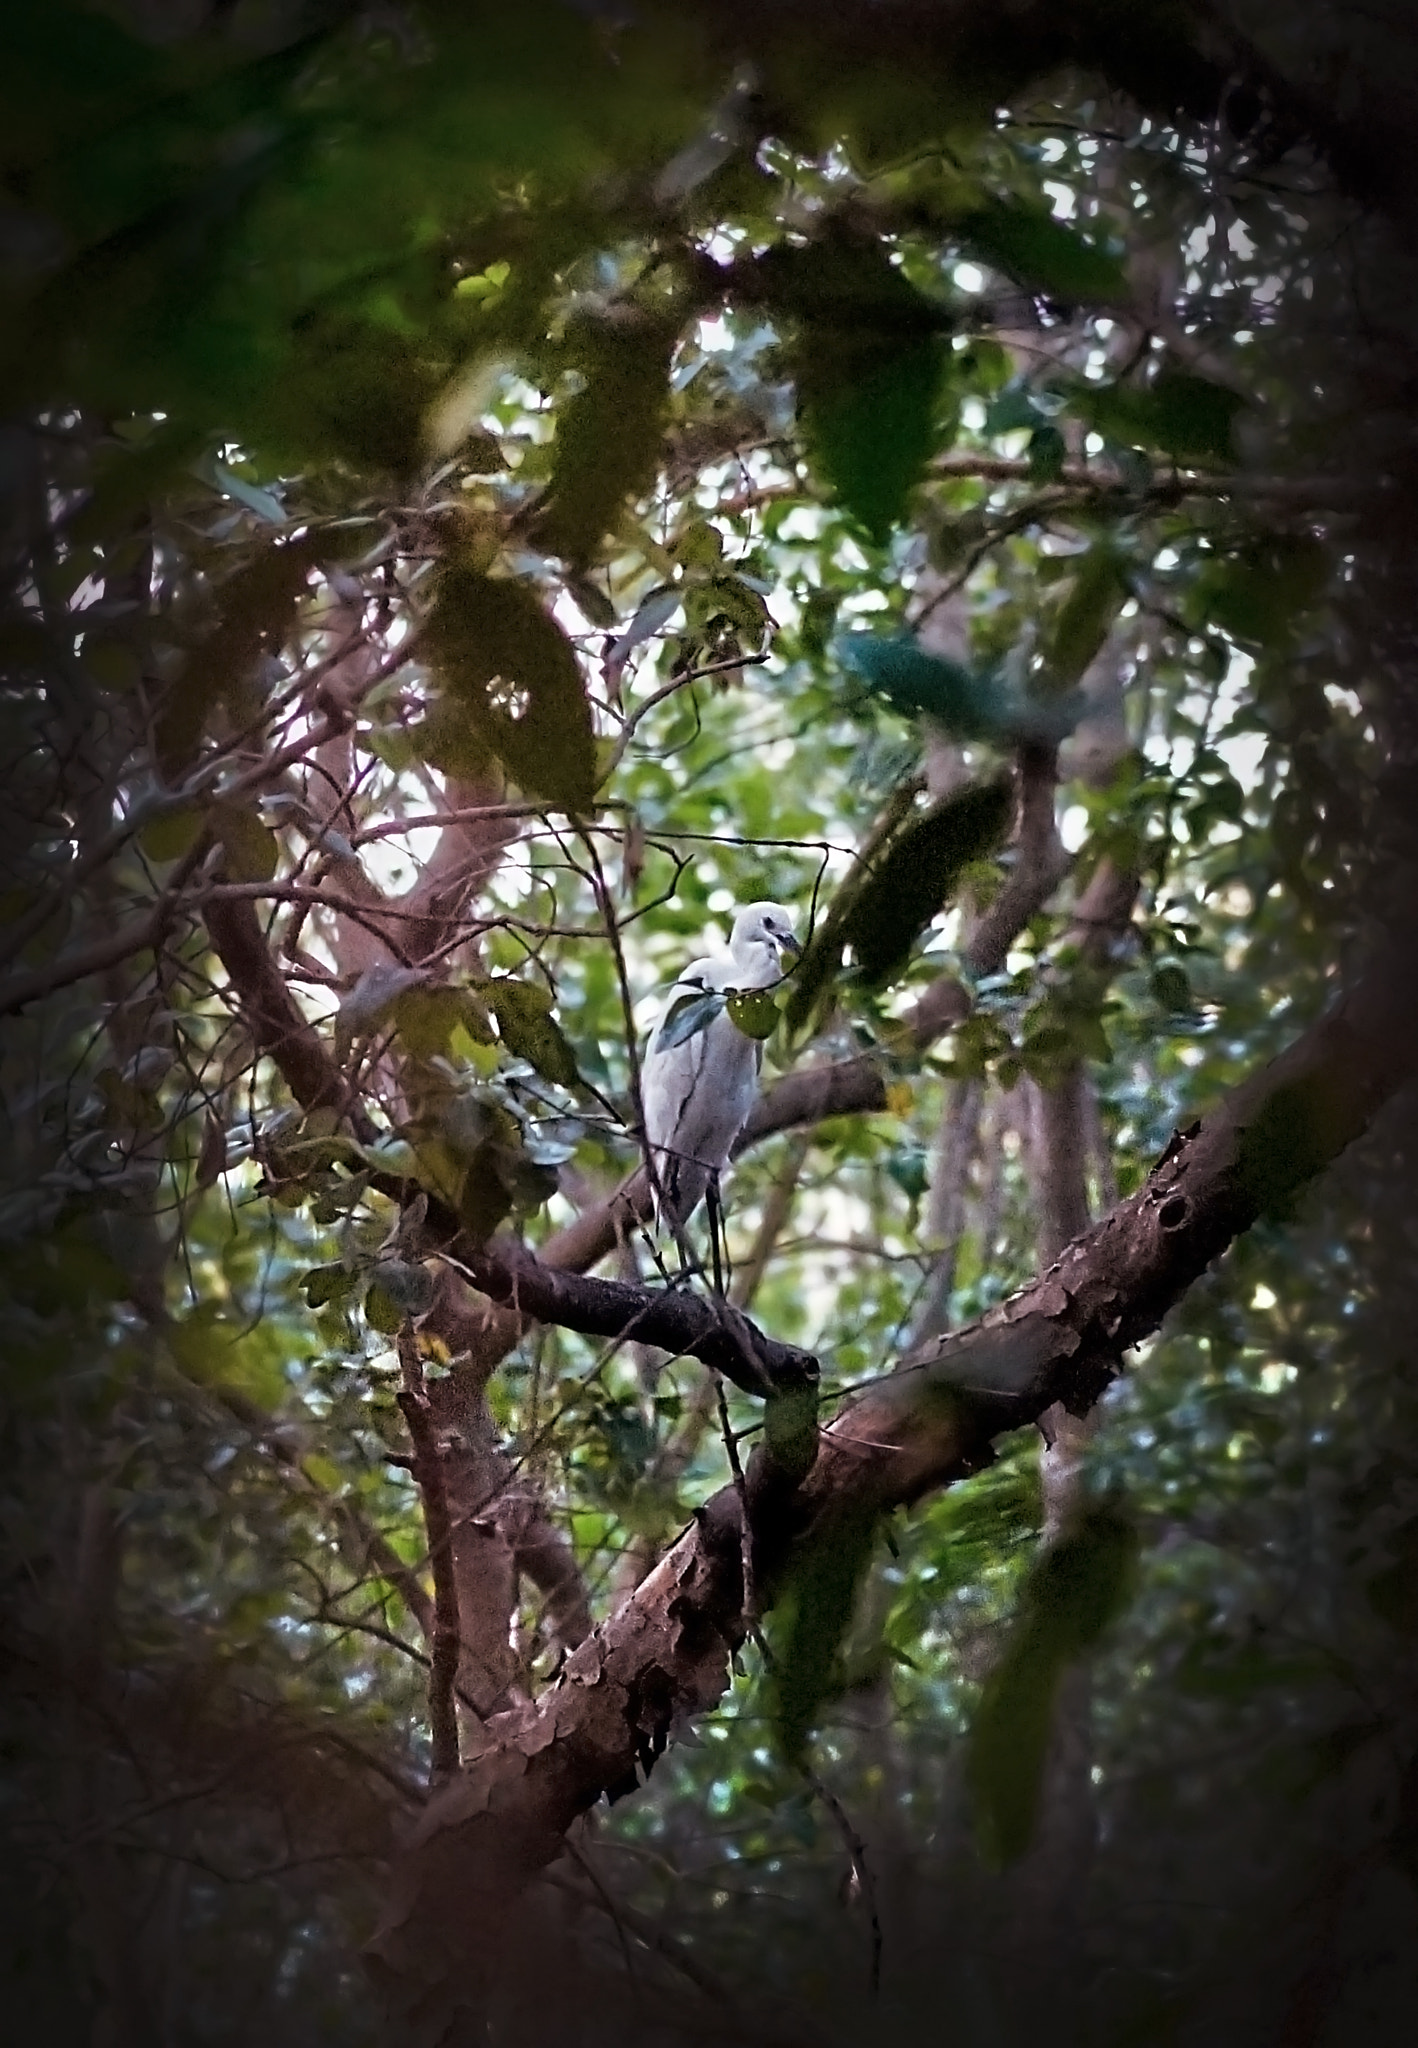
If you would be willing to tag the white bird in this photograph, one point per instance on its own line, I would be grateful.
(697, 1093)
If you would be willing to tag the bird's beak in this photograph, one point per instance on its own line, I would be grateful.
(788, 943)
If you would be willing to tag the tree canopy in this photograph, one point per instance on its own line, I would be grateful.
(487, 492)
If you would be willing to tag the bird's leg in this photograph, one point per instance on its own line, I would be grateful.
(714, 1213)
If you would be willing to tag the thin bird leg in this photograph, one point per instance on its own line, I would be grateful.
(718, 1245)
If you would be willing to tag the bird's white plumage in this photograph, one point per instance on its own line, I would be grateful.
(697, 1095)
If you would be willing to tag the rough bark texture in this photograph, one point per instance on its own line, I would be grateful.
(663, 1657)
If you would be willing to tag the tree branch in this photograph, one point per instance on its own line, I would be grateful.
(663, 1656)
(446, 1644)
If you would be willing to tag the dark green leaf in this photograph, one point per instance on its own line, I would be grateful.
(689, 1015)
(511, 673)
(868, 364)
(608, 435)
(914, 878)
(819, 1607)
(256, 607)
(1030, 245)
(1186, 416)
(1077, 1587)
(1047, 453)
(1171, 987)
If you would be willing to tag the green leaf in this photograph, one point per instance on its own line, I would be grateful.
(755, 1011)
(868, 363)
(169, 834)
(1031, 246)
(382, 1312)
(510, 672)
(1077, 1587)
(914, 878)
(689, 1015)
(607, 436)
(1188, 417)
(819, 1604)
(324, 1284)
(251, 851)
(1171, 987)
(256, 607)
(1082, 625)
(1258, 596)
(1048, 452)
(530, 1031)
(969, 703)
(426, 1018)
(869, 422)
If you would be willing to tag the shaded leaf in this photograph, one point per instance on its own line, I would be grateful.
(406, 1283)
(1084, 620)
(1031, 246)
(251, 851)
(169, 834)
(1076, 1588)
(371, 1001)
(689, 1015)
(1047, 453)
(510, 672)
(868, 364)
(607, 436)
(256, 607)
(819, 1604)
(1186, 416)
(916, 875)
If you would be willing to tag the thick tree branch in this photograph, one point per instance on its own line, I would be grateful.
(664, 1655)
(446, 1643)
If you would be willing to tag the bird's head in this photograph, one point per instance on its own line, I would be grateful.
(763, 932)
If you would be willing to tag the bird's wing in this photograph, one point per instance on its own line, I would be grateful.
(697, 1094)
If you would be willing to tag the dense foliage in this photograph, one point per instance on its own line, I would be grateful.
(488, 492)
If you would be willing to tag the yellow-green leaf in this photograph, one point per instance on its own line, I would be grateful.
(531, 1032)
(251, 851)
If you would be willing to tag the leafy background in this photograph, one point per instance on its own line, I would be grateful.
(638, 401)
